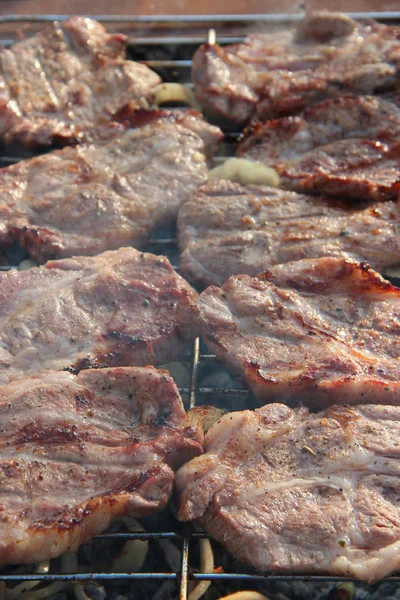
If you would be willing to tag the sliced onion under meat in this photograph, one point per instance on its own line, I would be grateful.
(206, 566)
(175, 92)
(245, 171)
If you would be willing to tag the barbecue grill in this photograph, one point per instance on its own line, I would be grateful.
(166, 44)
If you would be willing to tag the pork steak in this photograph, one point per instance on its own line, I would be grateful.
(90, 198)
(278, 141)
(66, 83)
(360, 169)
(342, 146)
(280, 73)
(320, 331)
(118, 308)
(286, 490)
(77, 451)
(252, 228)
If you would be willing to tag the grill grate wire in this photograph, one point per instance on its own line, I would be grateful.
(145, 31)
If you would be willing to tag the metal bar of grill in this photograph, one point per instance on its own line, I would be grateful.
(280, 18)
(163, 245)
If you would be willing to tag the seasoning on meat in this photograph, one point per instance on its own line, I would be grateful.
(91, 198)
(280, 73)
(77, 451)
(118, 308)
(251, 228)
(320, 331)
(289, 491)
(67, 84)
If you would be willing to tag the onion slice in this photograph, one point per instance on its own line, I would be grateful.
(245, 171)
(175, 92)
(206, 566)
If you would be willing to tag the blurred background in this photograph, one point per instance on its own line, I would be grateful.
(176, 7)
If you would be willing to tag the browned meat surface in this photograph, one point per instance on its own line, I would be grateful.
(65, 84)
(91, 198)
(345, 146)
(278, 141)
(114, 309)
(251, 228)
(78, 451)
(359, 169)
(286, 490)
(320, 331)
(280, 73)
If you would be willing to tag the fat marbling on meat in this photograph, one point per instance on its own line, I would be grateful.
(321, 331)
(251, 228)
(289, 491)
(96, 197)
(78, 451)
(118, 308)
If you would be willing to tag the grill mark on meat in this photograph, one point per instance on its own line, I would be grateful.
(346, 147)
(85, 363)
(78, 451)
(130, 340)
(277, 141)
(360, 169)
(51, 435)
(69, 520)
(313, 330)
(252, 228)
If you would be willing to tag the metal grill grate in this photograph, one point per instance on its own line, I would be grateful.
(174, 38)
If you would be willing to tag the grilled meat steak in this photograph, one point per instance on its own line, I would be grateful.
(81, 450)
(279, 141)
(118, 308)
(280, 73)
(344, 146)
(251, 228)
(91, 198)
(66, 83)
(318, 330)
(360, 169)
(286, 490)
